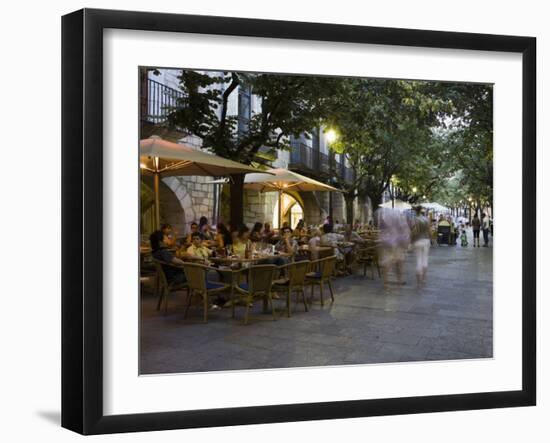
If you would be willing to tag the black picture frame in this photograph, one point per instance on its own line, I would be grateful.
(82, 159)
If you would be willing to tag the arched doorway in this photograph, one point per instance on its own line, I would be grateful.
(292, 211)
(171, 210)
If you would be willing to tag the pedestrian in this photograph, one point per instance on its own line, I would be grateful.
(476, 225)
(420, 238)
(394, 239)
(463, 238)
(485, 226)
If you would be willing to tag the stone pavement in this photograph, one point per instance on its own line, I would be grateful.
(450, 318)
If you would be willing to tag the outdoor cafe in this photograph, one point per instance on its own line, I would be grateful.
(231, 267)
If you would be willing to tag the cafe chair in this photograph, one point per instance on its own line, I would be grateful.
(294, 282)
(260, 280)
(368, 256)
(199, 285)
(320, 274)
(163, 287)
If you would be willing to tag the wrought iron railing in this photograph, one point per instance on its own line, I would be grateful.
(156, 101)
(301, 156)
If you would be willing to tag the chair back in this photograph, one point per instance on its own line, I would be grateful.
(297, 272)
(261, 278)
(163, 281)
(327, 266)
(196, 276)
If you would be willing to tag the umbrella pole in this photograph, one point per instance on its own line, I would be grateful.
(280, 209)
(157, 204)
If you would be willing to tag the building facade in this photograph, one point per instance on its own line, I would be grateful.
(185, 199)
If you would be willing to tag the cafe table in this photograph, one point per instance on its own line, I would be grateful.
(229, 264)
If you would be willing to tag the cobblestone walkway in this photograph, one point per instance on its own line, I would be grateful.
(451, 318)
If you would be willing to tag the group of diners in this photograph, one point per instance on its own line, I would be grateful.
(203, 244)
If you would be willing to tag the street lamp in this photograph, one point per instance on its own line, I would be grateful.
(414, 189)
(331, 136)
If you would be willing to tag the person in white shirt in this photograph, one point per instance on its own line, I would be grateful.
(485, 226)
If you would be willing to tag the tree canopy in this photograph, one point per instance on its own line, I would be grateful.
(288, 105)
(419, 139)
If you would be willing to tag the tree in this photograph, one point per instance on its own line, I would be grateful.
(288, 105)
(471, 135)
(384, 127)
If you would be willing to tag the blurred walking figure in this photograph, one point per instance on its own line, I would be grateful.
(394, 240)
(463, 238)
(420, 237)
(476, 225)
(485, 226)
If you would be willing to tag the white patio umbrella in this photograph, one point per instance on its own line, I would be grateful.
(280, 180)
(435, 206)
(161, 158)
(400, 205)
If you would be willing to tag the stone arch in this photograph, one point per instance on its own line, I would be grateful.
(172, 210)
(184, 198)
(314, 204)
(286, 216)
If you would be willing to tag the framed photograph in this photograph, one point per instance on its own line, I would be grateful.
(269, 221)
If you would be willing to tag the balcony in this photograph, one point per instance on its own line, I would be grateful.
(156, 101)
(303, 158)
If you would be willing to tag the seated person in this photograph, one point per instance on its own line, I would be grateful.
(223, 237)
(194, 229)
(160, 252)
(241, 241)
(205, 229)
(267, 233)
(332, 239)
(300, 228)
(256, 234)
(207, 233)
(352, 236)
(286, 243)
(169, 236)
(197, 249)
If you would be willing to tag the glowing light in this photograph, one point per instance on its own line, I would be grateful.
(414, 189)
(331, 136)
(142, 165)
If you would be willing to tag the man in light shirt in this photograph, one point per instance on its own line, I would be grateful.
(197, 249)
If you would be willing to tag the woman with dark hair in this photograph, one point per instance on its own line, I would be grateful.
(169, 236)
(267, 233)
(223, 236)
(202, 222)
(256, 234)
(169, 261)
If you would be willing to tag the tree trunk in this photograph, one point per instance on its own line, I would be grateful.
(237, 199)
(349, 198)
(376, 201)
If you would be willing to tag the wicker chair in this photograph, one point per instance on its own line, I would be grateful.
(320, 274)
(260, 281)
(163, 287)
(295, 282)
(199, 285)
(368, 256)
